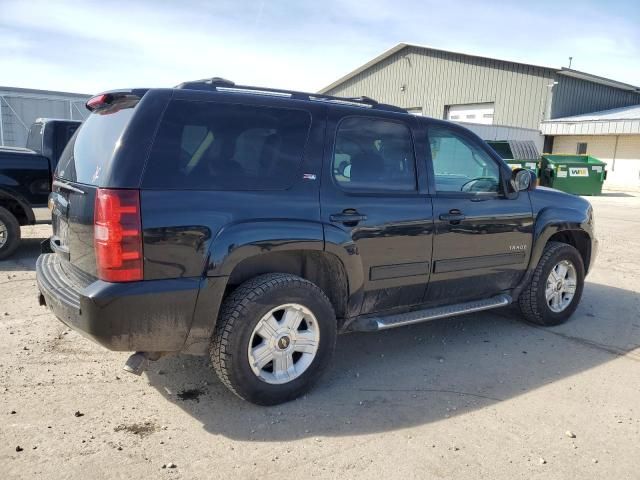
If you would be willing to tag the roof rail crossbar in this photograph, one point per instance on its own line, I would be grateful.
(205, 83)
(222, 85)
(363, 99)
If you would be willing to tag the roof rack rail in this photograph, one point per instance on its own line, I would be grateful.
(223, 85)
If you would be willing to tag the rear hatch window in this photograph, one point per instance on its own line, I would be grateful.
(93, 145)
(83, 161)
(220, 146)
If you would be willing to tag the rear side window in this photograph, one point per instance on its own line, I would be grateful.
(217, 146)
(62, 134)
(374, 154)
(34, 139)
(91, 148)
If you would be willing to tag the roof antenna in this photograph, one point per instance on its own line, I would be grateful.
(570, 60)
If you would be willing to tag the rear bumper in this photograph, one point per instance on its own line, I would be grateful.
(149, 316)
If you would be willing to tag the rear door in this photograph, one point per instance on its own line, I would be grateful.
(371, 196)
(482, 238)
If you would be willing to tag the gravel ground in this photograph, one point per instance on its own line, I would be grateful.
(482, 396)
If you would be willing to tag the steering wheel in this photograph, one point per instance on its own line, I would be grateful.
(480, 184)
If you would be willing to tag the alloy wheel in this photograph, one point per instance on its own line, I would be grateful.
(284, 343)
(561, 286)
(4, 234)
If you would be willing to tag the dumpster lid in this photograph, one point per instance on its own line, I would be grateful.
(570, 159)
(516, 149)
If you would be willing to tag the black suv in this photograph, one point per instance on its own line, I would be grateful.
(253, 225)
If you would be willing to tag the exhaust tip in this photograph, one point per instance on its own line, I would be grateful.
(136, 363)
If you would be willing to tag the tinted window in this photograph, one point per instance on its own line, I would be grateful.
(62, 134)
(94, 143)
(215, 146)
(34, 139)
(373, 154)
(461, 165)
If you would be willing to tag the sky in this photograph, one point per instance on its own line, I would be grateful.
(88, 47)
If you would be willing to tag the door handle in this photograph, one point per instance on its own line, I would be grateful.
(454, 215)
(347, 217)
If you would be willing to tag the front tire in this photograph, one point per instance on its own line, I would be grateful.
(556, 286)
(274, 338)
(9, 233)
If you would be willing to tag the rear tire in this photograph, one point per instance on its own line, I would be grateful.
(9, 233)
(556, 286)
(274, 338)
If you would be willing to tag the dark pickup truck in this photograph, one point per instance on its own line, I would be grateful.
(253, 225)
(26, 176)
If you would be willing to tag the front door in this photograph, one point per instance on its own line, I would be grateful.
(371, 199)
(482, 238)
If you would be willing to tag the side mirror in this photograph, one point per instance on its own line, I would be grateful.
(522, 179)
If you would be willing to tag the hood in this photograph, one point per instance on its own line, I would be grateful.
(543, 197)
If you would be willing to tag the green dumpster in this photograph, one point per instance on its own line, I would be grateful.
(577, 174)
(518, 154)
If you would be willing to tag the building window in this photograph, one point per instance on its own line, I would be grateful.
(581, 148)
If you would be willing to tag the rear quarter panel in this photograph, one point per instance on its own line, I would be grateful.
(196, 233)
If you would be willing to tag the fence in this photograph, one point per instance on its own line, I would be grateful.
(20, 108)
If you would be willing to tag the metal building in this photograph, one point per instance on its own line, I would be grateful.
(20, 107)
(612, 136)
(480, 90)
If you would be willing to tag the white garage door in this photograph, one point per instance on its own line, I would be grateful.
(626, 171)
(471, 112)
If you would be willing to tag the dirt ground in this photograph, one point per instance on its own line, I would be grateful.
(482, 396)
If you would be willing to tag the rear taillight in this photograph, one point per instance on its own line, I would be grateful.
(118, 235)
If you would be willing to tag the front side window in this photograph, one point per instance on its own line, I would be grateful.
(374, 154)
(461, 165)
(217, 146)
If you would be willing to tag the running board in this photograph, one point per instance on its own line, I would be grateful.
(372, 324)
